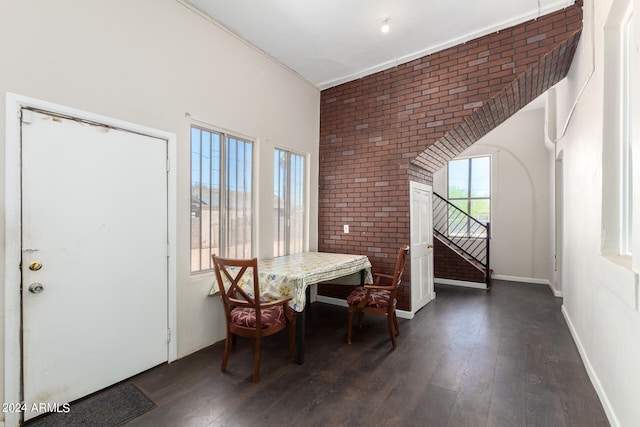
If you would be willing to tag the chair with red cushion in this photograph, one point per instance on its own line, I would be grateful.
(246, 315)
(379, 298)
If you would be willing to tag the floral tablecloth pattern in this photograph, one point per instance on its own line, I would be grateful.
(291, 274)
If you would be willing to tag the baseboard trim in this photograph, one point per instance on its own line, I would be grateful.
(463, 283)
(593, 376)
(556, 293)
(402, 314)
(332, 301)
(519, 279)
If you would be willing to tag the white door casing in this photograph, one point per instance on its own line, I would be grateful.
(421, 253)
(85, 274)
(559, 221)
(94, 214)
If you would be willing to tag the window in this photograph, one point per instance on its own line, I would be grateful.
(221, 197)
(626, 166)
(289, 202)
(617, 166)
(469, 189)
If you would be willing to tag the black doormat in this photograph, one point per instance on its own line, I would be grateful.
(110, 408)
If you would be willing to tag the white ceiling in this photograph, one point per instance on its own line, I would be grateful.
(329, 42)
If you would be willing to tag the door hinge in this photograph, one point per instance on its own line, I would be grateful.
(168, 250)
(168, 335)
(168, 165)
(26, 116)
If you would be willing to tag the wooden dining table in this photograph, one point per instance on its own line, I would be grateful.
(291, 275)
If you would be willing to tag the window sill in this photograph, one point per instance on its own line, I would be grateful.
(614, 272)
(207, 280)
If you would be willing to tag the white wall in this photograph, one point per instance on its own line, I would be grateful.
(158, 63)
(600, 293)
(520, 197)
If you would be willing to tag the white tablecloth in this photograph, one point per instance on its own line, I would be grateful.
(291, 274)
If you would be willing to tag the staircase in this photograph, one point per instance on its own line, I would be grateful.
(463, 234)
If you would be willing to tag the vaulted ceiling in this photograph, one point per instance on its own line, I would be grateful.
(330, 42)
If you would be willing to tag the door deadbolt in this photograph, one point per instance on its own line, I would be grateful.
(35, 266)
(36, 288)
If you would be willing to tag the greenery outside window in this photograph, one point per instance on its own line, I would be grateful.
(469, 189)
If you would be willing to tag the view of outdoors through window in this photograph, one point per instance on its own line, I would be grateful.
(221, 197)
(469, 189)
(289, 202)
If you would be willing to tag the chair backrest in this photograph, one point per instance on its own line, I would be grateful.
(230, 275)
(397, 274)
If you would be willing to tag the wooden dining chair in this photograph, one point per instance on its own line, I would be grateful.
(379, 298)
(245, 314)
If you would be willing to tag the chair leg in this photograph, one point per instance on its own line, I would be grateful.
(349, 324)
(395, 322)
(360, 315)
(227, 351)
(256, 362)
(391, 329)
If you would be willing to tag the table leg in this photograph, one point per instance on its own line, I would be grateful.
(300, 327)
(300, 319)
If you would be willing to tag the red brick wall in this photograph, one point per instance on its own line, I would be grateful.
(447, 264)
(372, 128)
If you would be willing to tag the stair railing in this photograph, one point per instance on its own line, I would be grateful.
(462, 231)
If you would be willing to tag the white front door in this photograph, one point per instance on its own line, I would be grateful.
(94, 257)
(421, 245)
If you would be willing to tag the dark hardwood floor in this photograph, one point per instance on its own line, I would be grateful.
(470, 358)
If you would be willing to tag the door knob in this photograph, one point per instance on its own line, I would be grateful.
(36, 288)
(429, 246)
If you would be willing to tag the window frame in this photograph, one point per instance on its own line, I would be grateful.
(626, 167)
(467, 233)
(224, 195)
(617, 167)
(286, 233)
